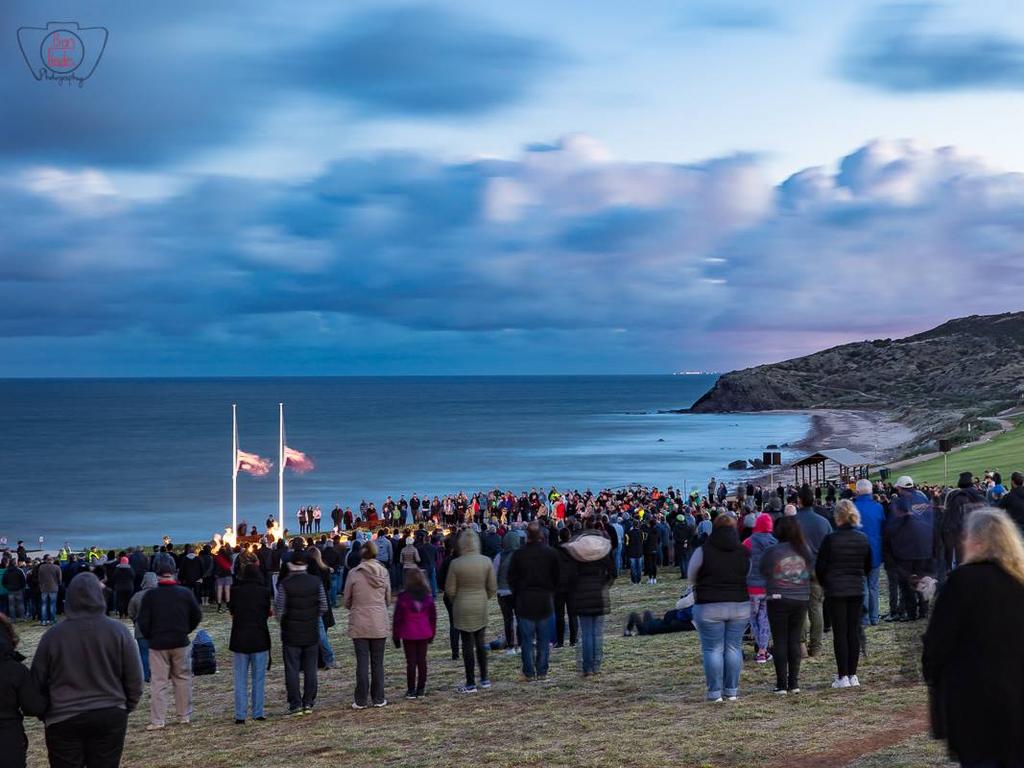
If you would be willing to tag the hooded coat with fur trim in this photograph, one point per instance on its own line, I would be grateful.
(593, 574)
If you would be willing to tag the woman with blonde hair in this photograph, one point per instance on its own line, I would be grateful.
(844, 561)
(972, 660)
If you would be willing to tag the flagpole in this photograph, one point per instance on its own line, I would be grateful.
(280, 472)
(234, 468)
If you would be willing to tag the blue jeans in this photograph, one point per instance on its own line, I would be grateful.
(590, 650)
(871, 598)
(144, 654)
(636, 568)
(618, 558)
(535, 638)
(16, 603)
(243, 663)
(48, 606)
(325, 646)
(335, 588)
(432, 580)
(721, 627)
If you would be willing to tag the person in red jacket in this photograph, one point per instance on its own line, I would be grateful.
(414, 626)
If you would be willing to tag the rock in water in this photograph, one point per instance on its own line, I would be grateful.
(738, 464)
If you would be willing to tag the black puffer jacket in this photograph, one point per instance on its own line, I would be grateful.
(19, 696)
(843, 561)
(592, 575)
(250, 609)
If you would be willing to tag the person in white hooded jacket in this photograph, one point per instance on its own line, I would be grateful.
(593, 571)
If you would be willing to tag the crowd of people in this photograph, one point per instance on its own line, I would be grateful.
(780, 565)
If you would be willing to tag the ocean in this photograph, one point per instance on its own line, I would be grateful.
(125, 461)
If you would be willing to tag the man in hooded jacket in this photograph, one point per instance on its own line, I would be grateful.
(88, 667)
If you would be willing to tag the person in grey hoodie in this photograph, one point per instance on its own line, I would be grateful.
(509, 544)
(88, 667)
(149, 581)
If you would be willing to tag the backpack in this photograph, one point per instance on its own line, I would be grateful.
(204, 654)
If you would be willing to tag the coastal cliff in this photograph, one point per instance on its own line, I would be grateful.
(934, 382)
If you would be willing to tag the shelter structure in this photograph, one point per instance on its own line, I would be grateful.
(830, 464)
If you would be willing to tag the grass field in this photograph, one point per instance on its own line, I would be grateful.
(1004, 453)
(646, 709)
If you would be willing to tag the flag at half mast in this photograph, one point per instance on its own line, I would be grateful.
(252, 464)
(297, 461)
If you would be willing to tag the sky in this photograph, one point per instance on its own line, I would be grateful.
(239, 189)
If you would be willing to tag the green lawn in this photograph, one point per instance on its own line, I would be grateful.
(1004, 453)
(646, 709)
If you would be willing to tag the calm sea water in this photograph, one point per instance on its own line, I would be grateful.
(127, 461)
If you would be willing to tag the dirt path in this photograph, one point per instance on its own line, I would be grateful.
(906, 723)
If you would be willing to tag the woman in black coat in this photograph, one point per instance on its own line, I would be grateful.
(250, 639)
(844, 560)
(19, 696)
(972, 660)
(591, 575)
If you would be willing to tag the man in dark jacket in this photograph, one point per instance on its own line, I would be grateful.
(428, 559)
(1013, 502)
(652, 546)
(959, 503)
(167, 616)
(88, 667)
(634, 544)
(533, 578)
(682, 533)
(299, 603)
(910, 530)
(15, 582)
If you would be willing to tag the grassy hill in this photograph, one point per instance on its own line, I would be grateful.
(645, 709)
(1004, 453)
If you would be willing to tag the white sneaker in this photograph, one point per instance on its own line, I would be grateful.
(510, 652)
(733, 698)
(854, 682)
(841, 682)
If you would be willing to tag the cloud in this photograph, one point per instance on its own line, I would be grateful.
(733, 16)
(639, 266)
(899, 49)
(177, 79)
(422, 61)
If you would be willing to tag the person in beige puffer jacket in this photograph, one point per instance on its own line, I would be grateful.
(367, 597)
(470, 585)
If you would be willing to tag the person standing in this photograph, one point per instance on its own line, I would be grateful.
(299, 603)
(872, 525)
(123, 585)
(149, 582)
(815, 527)
(49, 586)
(506, 601)
(19, 696)
(367, 596)
(759, 541)
(652, 548)
(634, 545)
(470, 584)
(168, 614)
(591, 577)
(959, 503)
(88, 668)
(413, 629)
(15, 581)
(565, 616)
(910, 530)
(844, 561)
(250, 608)
(787, 573)
(971, 657)
(533, 578)
(721, 611)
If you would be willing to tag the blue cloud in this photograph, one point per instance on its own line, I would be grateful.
(169, 87)
(424, 61)
(732, 16)
(896, 50)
